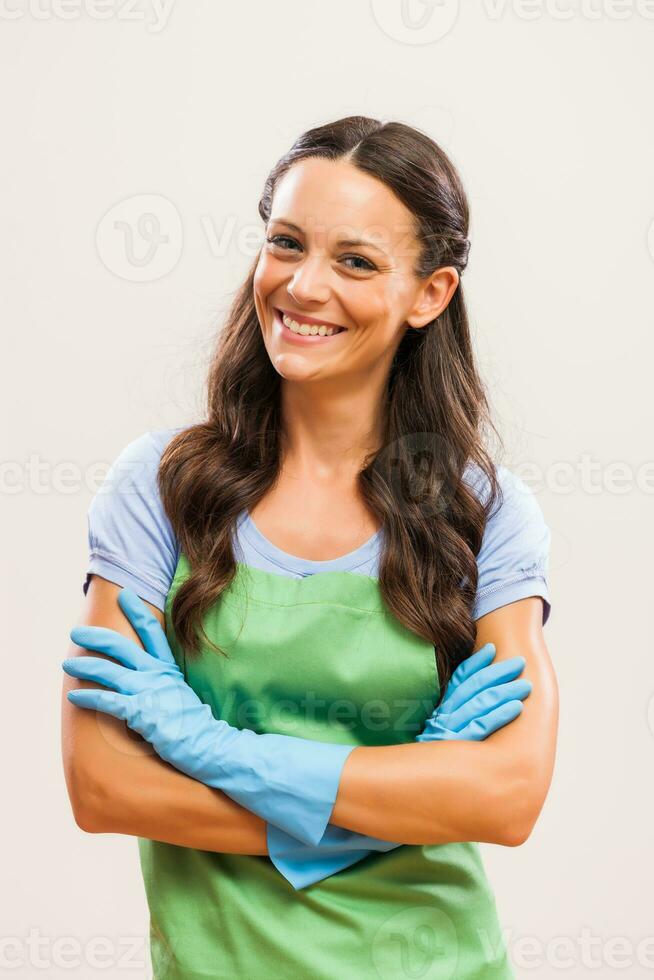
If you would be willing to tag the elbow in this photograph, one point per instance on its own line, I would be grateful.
(507, 831)
(88, 815)
(86, 819)
(514, 834)
(86, 801)
(518, 810)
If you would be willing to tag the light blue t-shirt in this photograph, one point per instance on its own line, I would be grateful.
(132, 543)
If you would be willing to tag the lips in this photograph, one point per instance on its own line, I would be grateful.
(304, 340)
(310, 320)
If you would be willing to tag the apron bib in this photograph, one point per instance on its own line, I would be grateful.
(321, 658)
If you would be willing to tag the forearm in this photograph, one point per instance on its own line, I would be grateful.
(430, 793)
(142, 796)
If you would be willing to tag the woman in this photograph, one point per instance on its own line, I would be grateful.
(361, 439)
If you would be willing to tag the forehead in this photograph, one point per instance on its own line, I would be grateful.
(333, 199)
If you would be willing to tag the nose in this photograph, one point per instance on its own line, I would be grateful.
(309, 284)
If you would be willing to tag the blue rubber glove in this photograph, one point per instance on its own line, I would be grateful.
(290, 782)
(480, 698)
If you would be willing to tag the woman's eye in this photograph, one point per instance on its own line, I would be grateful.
(368, 267)
(277, 239)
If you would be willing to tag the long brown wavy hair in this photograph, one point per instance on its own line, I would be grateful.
(435, 413)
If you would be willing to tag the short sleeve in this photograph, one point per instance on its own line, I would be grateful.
(131, 541)
(513, 560)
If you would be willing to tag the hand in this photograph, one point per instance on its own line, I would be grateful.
(480, 698)
(149, 692)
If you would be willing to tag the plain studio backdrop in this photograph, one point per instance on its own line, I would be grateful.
(136, 139)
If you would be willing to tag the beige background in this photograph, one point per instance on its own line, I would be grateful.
(546, 110)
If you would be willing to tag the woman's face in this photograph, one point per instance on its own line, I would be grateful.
(340, 250)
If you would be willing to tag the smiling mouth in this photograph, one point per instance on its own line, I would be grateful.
(311, 332)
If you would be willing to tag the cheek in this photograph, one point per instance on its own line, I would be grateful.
(373, 309)
(261, 275)
(267, 276)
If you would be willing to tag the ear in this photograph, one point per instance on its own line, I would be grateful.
(433, 296)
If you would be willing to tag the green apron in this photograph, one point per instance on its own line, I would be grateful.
(321, 658)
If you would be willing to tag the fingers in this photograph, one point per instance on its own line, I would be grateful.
(481, 728)
(106, 701)
(128, 653)
(105, 672)
(491, 676)
(471, 665)
(104, 640)
(147, 626)
(486, 701)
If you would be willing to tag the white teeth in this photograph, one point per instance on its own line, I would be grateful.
(306, 329)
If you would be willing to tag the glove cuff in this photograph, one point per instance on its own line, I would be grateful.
(288, 781)
(303, 864)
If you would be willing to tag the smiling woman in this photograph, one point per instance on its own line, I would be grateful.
(325, 552)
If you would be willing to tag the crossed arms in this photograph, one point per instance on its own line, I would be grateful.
(490, 791)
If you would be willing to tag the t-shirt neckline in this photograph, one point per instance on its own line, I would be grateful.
(294, 563)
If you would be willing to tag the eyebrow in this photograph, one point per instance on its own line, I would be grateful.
(349, 242)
